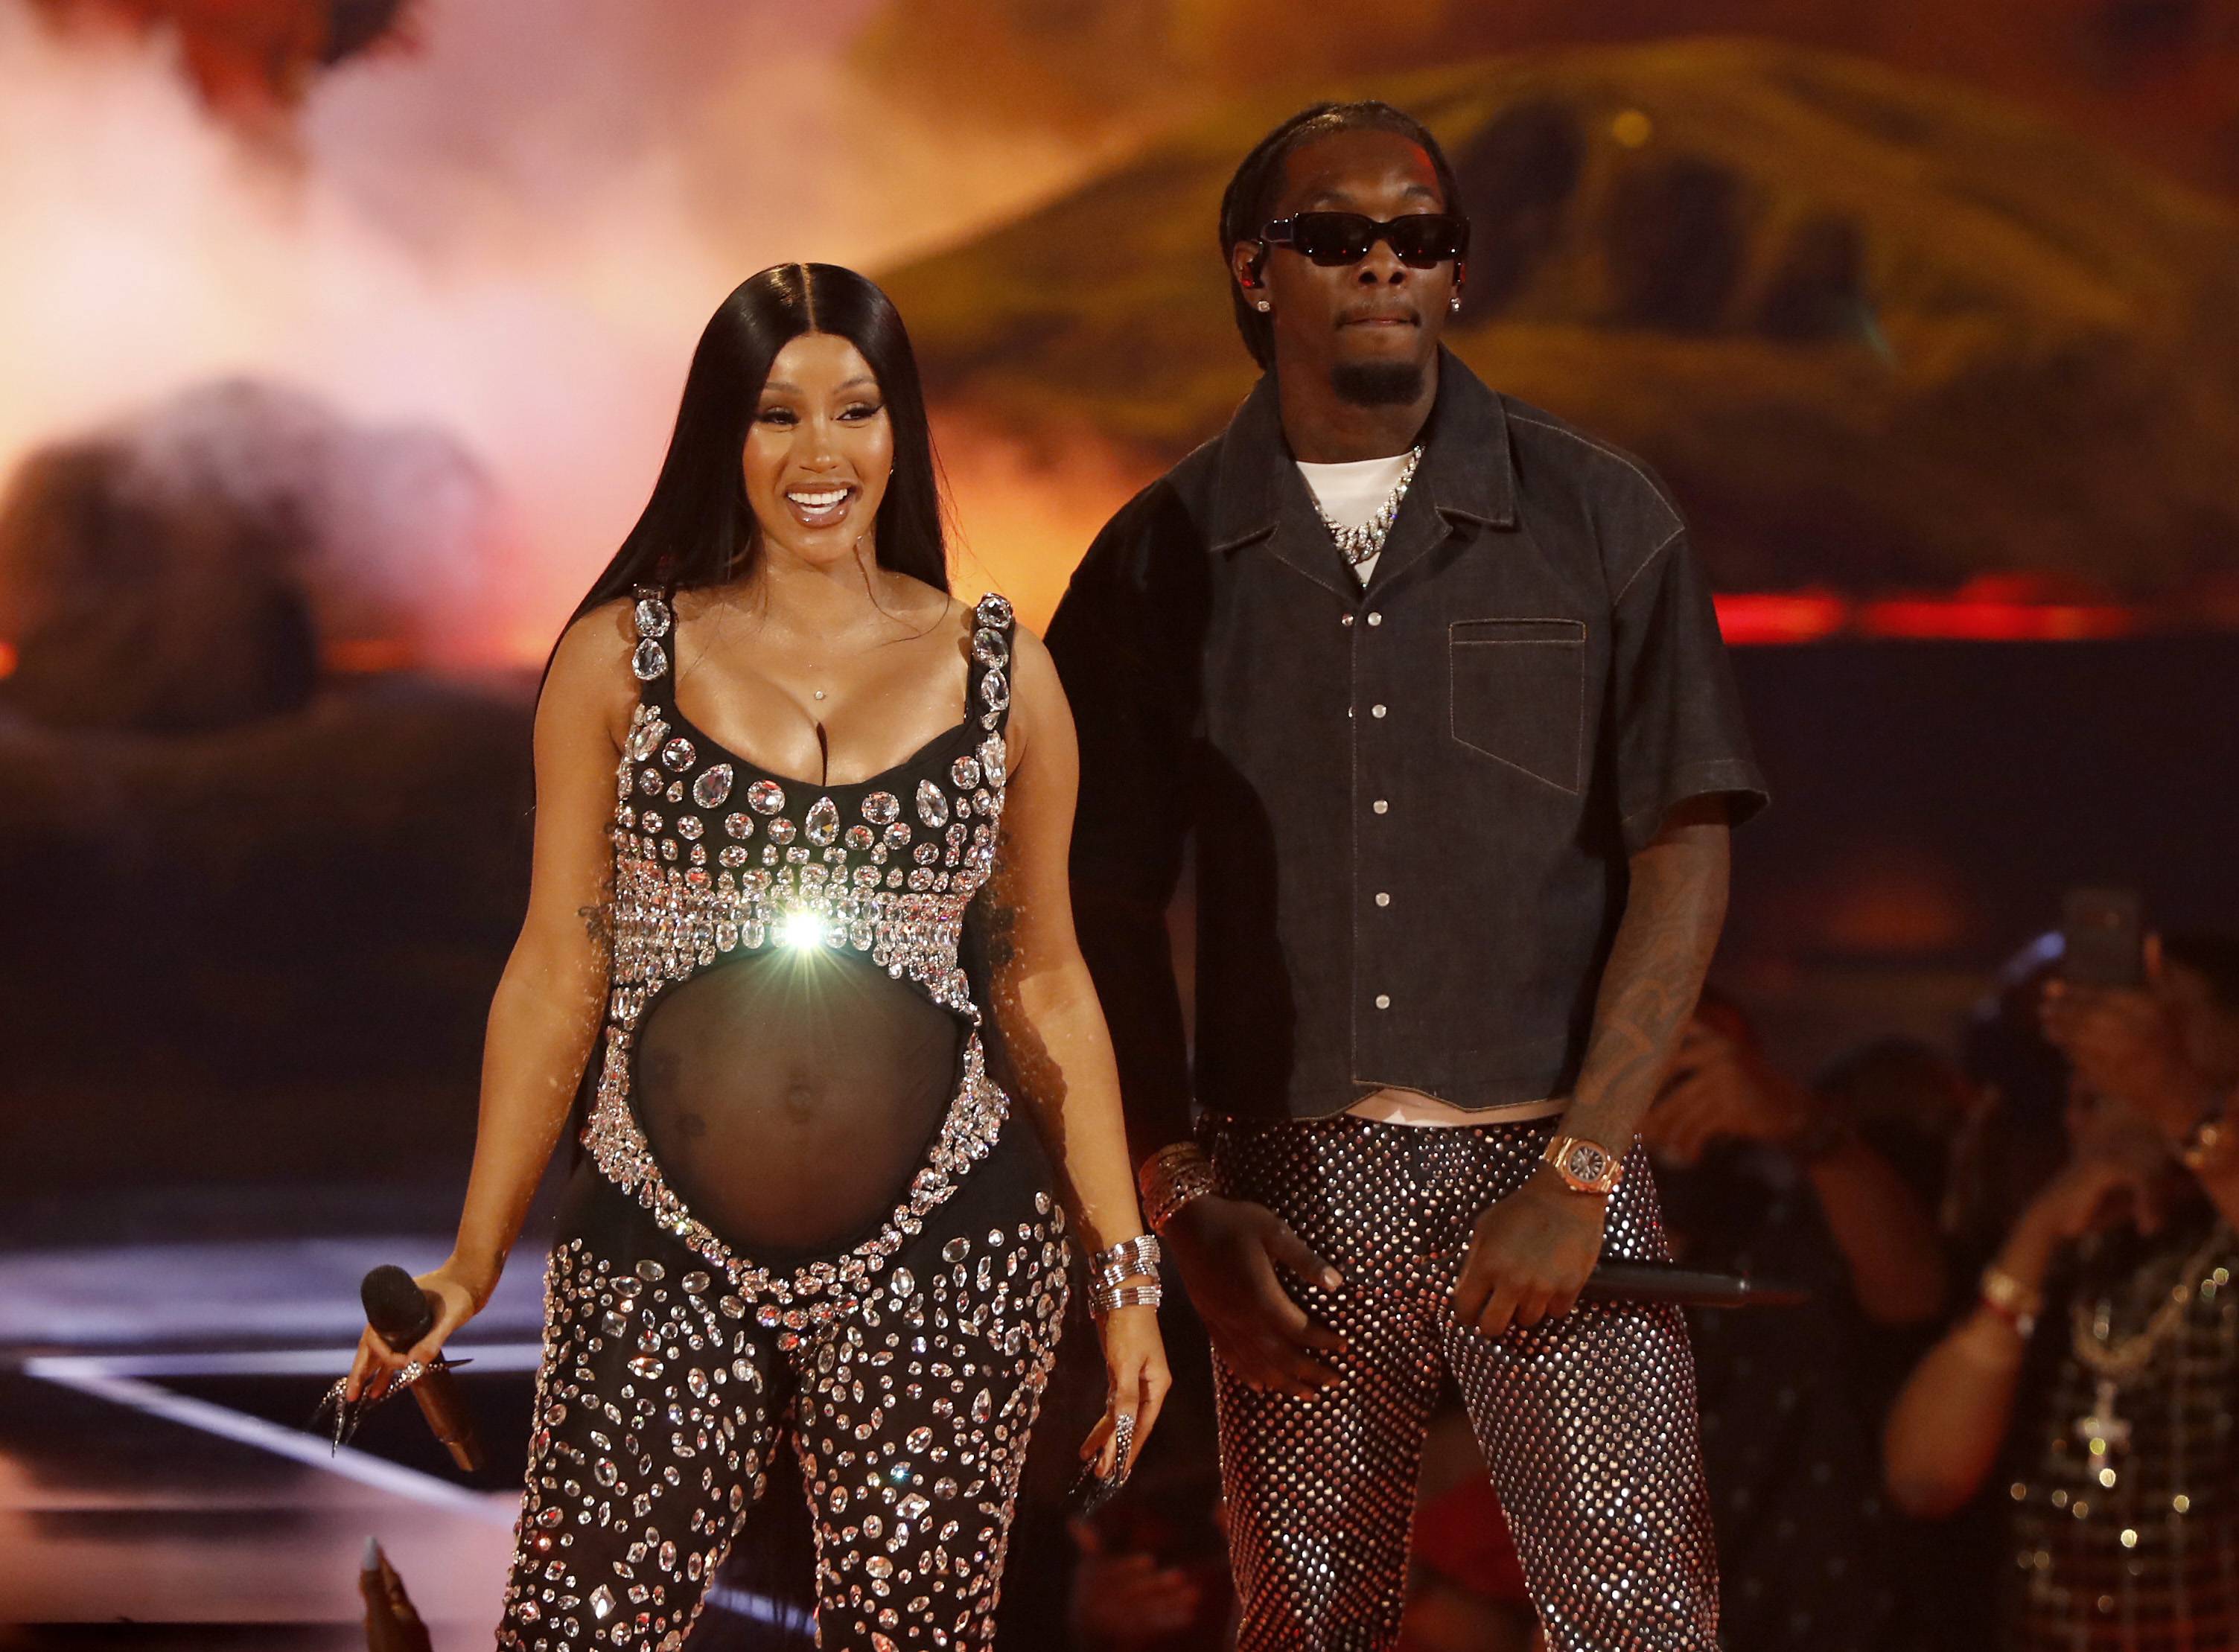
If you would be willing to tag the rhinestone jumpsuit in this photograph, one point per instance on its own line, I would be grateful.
(805, 1211)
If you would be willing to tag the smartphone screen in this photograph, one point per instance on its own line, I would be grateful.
(2101, 941)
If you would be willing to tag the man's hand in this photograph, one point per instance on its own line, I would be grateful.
(1530, 1255)
(1722, 1090)
(2125, 1043)
(1227, 1251)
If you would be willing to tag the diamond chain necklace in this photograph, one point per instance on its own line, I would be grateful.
(1358, 544)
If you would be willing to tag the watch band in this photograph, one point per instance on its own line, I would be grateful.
(1587, 1167)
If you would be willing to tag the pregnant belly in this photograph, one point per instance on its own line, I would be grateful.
(789, 1099)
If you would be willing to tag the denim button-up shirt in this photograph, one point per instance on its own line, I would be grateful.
(1411, 806)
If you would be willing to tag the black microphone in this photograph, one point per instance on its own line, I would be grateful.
(1687, 1287)
(402, 1313)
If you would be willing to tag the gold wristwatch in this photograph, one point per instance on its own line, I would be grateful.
(1588, 1167)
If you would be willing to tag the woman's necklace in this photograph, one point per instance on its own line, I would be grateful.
(1358, 544)
(2090, 1333)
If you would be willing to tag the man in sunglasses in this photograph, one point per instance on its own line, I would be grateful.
(1430, 685)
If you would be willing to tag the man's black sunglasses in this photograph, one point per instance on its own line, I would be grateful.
(1422, 239)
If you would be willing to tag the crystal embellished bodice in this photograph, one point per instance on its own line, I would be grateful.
(791, 1049)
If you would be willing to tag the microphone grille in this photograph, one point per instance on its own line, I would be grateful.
(395, 1304)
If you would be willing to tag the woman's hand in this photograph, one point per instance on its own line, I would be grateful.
(376, 1365)
(1135, 1362)
(2089, 1193)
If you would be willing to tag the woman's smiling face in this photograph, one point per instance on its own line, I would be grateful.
(820, 451)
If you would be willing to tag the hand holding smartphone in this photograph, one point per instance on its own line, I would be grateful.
(2103, 937)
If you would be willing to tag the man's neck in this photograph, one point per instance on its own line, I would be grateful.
(1322, 429)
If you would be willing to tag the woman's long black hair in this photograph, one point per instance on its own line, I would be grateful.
(697, 529)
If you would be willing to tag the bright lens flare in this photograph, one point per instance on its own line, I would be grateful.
(802, 928)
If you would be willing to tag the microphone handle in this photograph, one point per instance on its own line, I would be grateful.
(437, 1391)
(445, 1408)
(1661, 1282)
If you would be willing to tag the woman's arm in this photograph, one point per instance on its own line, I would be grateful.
(1948, 1426)
(1722, 1088)
(1041, 996)
(1051, 1023)
(547, 1010)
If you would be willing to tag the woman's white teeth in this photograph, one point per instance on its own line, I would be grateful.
(818, 501)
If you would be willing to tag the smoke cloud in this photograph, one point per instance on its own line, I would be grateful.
(507, 239)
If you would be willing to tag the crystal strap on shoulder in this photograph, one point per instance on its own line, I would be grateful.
(993, 625)
(655, 615)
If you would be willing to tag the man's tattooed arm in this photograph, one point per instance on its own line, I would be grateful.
(1672, 914)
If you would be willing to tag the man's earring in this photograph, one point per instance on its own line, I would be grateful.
(1263, 307)
(1455, 303)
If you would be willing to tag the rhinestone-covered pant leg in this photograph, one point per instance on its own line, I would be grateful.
(1588, 1422)
(662, 1398)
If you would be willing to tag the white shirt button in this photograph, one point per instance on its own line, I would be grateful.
(1347, 621)
(1381, 806)
(1376, 711)
(1375, 619)
(1383, 900)
(1383, 1001)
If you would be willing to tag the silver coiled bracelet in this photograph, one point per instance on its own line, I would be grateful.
(1125, 1275)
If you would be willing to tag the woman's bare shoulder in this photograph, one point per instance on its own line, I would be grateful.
(590, 678)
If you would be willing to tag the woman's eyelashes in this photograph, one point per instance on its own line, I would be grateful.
(854, 413)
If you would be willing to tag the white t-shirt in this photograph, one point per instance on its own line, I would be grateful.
(1350, 495)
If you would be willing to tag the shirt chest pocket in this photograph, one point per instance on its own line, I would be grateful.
(1516, 694)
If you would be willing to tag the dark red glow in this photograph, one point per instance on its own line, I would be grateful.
(1993, 608)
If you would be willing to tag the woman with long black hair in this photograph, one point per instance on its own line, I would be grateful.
(776, 764)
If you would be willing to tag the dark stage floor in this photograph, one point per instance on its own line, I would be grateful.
(157, 1486)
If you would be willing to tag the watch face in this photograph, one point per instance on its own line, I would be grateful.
(1586, 1162)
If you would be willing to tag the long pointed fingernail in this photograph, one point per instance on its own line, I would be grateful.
(370, 1561)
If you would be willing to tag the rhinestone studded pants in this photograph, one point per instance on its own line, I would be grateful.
(1588, 1422)
(661, 1401)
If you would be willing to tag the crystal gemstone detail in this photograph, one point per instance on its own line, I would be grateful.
(932, 804)
(711, 786)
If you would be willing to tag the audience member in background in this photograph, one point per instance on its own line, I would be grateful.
(1911, 1103)
(1466, 1587)
(2094, 1378)
(2017, 1140)
(1153, 1568)
(1762, 1176)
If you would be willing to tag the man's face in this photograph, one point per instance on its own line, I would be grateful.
(1368, 330)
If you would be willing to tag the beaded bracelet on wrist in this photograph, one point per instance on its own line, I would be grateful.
(2211, 1146)
(1171, 1178)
